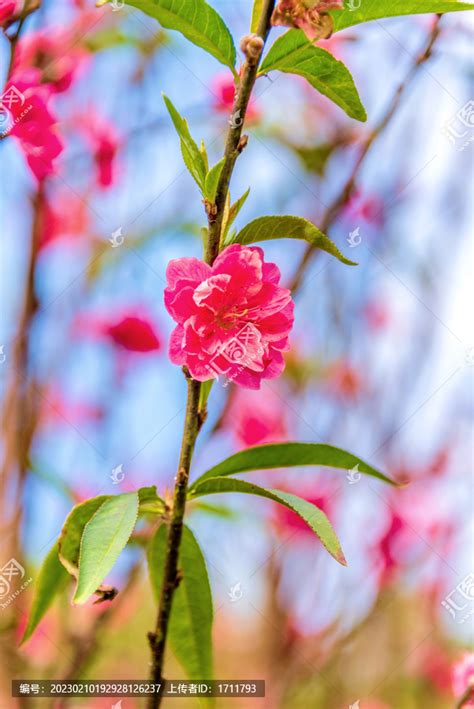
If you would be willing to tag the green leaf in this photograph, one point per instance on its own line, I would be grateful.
(377, 9)
(104, 537)
(256, 14)
(197, 21)
(235, 209)
(212, 179)
(69, 542)
(290, 455)
(312, 515)
(149, 501)
(204, 394)
(52, 578)
(191, 614)
(192, 155)
(287, 227)
(293, 53)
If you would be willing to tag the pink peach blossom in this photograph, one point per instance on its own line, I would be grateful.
(102, 138)
(44, 50)
(130, 329)
(256, 419)
(232, 318)
(32, 123)
(463, 678)
(223, 88)
(307, 15)
(8, 9)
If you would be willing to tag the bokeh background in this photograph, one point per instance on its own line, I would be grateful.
(381, 359)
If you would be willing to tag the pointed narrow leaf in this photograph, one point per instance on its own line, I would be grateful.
(377, 9)
(293, 53)
(288, 227)
(212, 178)
(69, 542)
(309, 513)
(52, 578)
(290, 455)
(104, 538)
(192, 155)
(256, 14)
(149, 501)
(191, 614)
(197, 21)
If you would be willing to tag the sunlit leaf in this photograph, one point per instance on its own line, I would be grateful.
(103, 539)
(288, 227)
(312, 515)
(197, 21)
(71, 534)
(149, 501)
(377, 9)
(256, 14)
(52, 578)
(191, 615)
(293, 53)
(290, 455)
(192, 155)
(212, 179)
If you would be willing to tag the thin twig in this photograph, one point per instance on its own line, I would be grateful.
(194, 418)
(334, 209)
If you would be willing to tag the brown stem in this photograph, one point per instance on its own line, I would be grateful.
(234, 135)
(334, 209)
(468, 694)
(194, 416)
(171, 578)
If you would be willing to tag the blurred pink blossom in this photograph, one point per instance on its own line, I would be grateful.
(63, 216)
(8, 8)
(33, 125)
(103, 140)
(130, 329)
(344, 380)
(233, 318)
(463, 678)
(257, 418)
(45, 50)
(223, 88)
